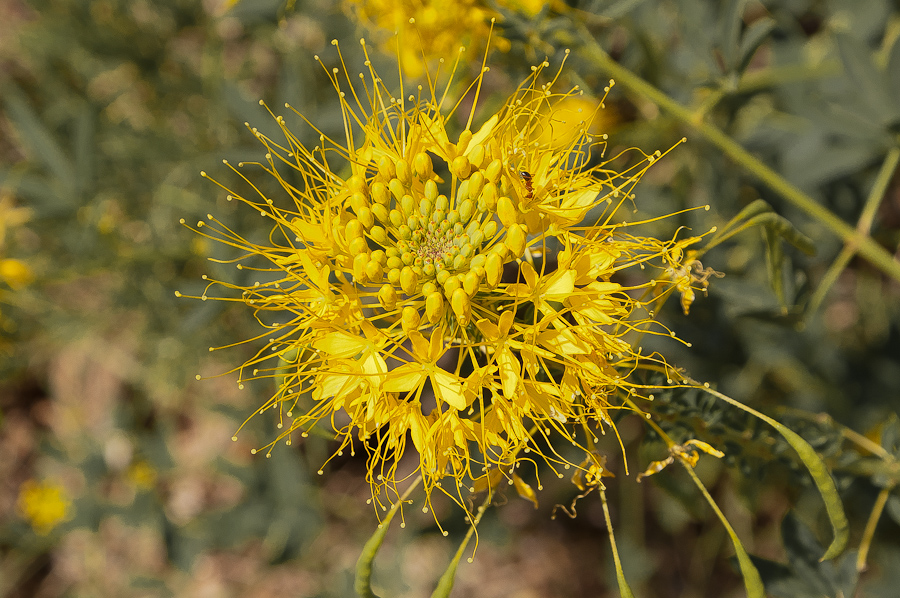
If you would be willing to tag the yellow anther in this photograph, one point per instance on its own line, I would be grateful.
(476, 155)
(408, 280)
(506, 211)
(493, 269)
(423, 166)
(471, 282)
(461, 167)
(387, 296)
(515, 240)
(409, 319)
(359, 267)
(434, 307)
(386, 168)
(374, 271)
(404, 173)
(459, 301)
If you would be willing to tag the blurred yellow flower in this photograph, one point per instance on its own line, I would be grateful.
(15, 273)
(441, 26)
(44, 504)
(454, 290)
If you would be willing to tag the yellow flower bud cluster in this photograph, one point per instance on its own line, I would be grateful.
(444, 289)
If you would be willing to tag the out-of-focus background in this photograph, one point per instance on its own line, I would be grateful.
(118, 476)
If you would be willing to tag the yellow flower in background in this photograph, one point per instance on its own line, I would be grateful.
(44, 504)
(15, 273)
(442, 26)
(449, 289)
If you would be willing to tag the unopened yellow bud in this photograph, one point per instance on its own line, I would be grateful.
(493, 269)
(396, 188)
(459, 302)
(379, 256)
(386, 168)
(506, 211)
(358, 201)
(461, 167)
(387, 296)
(380, 212)
(489, 195)
(408, 280)
(364, 215)
(476, 182)
(423, 166)
(394, 275)
(353, 230)
(380, 193)
(471, 282)
(490, 229)
(359, 267)
(466, 209)
(476, 155)
(409, 319)
(492, 172)
(379, 235)
(374, 270)
(515, 240)
(451, 285)
(434, 307)
(358, 246)
(408, 204)
(404, 173)
(464, 138)
(431, 190)
(357, 184)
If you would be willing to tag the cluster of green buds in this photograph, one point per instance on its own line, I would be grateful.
(418, 239)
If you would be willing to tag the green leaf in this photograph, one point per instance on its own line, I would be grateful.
(870, 85)
(732, 23)
(624, 589)
(753, 38)
(817, 470)
(752, 581)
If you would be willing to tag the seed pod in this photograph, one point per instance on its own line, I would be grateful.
(408, 280)
(404, 173)
(387, 296)
(459, 301)
(434, 307)
(409, 319)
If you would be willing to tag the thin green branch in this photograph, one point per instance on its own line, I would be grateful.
(865, 246)
(864, 226)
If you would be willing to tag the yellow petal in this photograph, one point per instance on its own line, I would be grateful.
(448, 388)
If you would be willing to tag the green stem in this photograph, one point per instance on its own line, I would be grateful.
(865, 246)
(863, 226)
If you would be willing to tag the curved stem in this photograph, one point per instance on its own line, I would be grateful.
(863, 244)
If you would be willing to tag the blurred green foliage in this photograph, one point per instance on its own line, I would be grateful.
(110, 110)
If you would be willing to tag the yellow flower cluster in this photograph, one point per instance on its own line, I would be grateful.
(440, 26)
(45, 505)
(454, 290)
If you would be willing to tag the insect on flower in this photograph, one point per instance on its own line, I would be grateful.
(527, 179)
